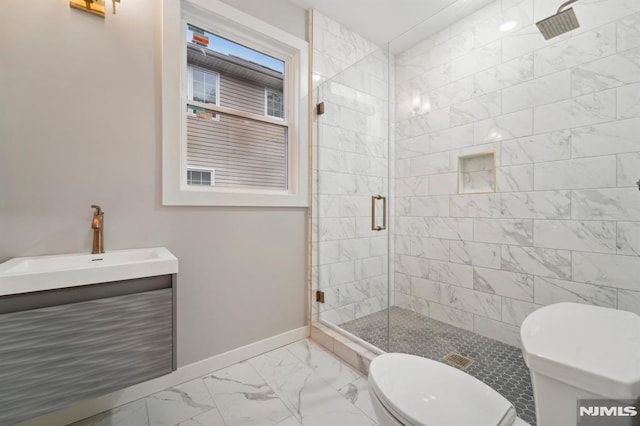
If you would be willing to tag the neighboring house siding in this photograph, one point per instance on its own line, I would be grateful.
(241, 95)
(242, 152)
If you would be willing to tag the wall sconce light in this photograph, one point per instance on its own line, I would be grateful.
(95, 7)
(420, 103)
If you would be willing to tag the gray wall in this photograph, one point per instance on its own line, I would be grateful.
(80, 123)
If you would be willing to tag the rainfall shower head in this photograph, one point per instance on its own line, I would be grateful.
(563, 21)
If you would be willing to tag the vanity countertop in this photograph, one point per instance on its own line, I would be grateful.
(39, 273)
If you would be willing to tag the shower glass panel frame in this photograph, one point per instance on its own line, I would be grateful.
(352, 203)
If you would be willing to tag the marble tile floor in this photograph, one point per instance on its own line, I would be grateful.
(298, 384)
(499, 365)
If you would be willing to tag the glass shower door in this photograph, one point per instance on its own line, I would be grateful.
(351, 200)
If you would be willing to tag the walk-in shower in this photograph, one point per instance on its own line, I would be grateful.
(508, 165)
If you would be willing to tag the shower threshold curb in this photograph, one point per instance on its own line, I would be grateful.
(343, 347)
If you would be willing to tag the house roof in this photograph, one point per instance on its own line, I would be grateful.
(234, 65)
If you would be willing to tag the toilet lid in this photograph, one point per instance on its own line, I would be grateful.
(421, 391)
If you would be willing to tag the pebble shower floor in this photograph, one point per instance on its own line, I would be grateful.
(499, 365)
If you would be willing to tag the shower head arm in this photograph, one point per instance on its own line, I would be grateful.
(565, 4)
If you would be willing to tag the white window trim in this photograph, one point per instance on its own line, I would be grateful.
(266, 103)
(213, 15)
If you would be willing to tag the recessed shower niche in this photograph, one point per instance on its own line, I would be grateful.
(477, 173)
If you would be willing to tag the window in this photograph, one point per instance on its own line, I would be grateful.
(235, 95)
(202, 86)
(197, 176)
(274, 103)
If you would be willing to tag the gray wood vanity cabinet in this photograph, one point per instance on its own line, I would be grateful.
(61, 346)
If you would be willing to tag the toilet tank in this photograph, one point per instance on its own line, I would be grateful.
(577, 352)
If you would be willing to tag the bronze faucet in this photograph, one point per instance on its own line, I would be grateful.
(97, 224)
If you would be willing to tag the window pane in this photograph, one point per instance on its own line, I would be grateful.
(198, 75)
(244, 153)
(243, 73)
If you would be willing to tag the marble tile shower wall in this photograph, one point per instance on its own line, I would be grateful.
(350, 262)
(563, 117)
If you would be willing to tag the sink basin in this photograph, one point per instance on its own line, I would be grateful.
(28, 274)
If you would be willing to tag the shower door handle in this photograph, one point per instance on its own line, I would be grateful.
(374, 226)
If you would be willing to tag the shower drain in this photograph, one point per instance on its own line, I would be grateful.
(458, 360)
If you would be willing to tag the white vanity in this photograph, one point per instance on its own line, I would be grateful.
(77, 326)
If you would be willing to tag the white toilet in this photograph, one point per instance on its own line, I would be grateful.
(411, 390)
(580, 351)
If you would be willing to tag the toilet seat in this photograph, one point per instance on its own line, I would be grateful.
(419, 391)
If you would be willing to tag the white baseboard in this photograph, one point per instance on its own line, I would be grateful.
(184, 374)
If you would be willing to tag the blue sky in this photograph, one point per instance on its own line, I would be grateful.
(227, 47)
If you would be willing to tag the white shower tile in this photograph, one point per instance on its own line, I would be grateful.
(579, 111)
(429, 206)
(629, 32)
(489, 29)
(412, 186)
(629, 301)
(476, 109)
(539, 91)
(477, 205)
(477, 254)
(605, 204)
(451, 316)
(612, 71)
(503, 231)
(451, 273)
(525, 41)
(515, 178)
(452, 93)
(431, 248)
(536, 205)
(443, 184)
(336, 273)
(402, 283)
(430, 164)
(628, 95)
(451, 228)
(503, 127)
(414, 266)
(608, 138)
(549, 291)
(592, 236)
(497, 330)
(476, 302)
(479, 59)
(503, 283)
(453, 138)
(512, 72)
(351, 249)
(607, 269)
(426, 289)
(576, 50)
(594, 172)
(515, 311)
(537, 261)
(538, 148)
(628, 238)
